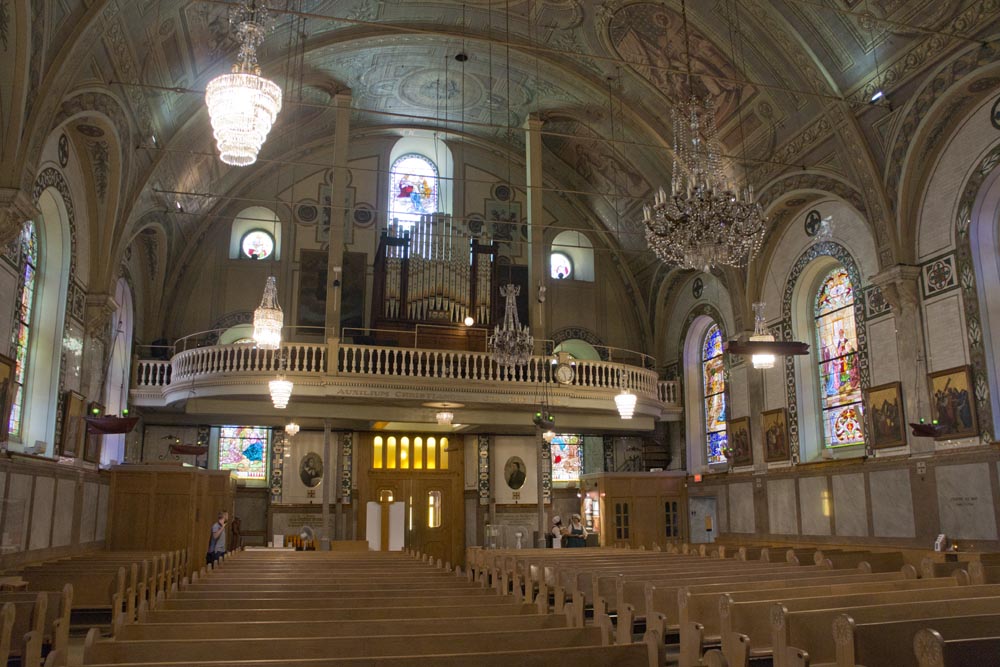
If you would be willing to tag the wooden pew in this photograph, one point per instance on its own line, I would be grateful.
(889, 642)
(984, 574)
(933, 650)
(790, 626)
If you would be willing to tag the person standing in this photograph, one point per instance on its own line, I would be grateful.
(577, 535)
(217, 542)
(557, 532)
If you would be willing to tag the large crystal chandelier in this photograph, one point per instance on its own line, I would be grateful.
(704, 221)
(242, 104)
(281, 391)
(625, 402)
(510, 343)
(268, 318)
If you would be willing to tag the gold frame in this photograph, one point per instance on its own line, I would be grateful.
(965, 374)
(872, 394)
(783, 412)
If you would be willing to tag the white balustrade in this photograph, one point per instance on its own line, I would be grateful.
(300, 359)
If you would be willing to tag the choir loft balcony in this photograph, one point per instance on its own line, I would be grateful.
(357, 385)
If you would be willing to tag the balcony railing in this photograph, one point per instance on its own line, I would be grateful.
(411, 366)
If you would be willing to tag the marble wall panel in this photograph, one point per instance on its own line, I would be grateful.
(892, 503)
(102, 512)
(882, 350)
(17, 511)
(965, 502)
(814, 505)
(944, 323)
(62, 527)
(741, 510)
(722, 510)
(41, 512)
(88, 512)
(781, 508)
(850, 507)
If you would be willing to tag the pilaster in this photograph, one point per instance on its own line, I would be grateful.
(338, 213)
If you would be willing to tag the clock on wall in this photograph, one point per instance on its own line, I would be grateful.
(565, 373)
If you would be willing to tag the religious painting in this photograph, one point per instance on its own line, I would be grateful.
(74, 429)
(887, 425)
(311, 307)
(839, 371)
(953, 404)
(740, 445)
(515, 472)
(243, 449)
(567, 457)
(7, 388)
(94, 441)
(775, 427)
(311, 469)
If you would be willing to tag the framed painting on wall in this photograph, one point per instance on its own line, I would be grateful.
(92, 448)
(775, 427)
(74, 429)
(953, 404)
(740, 444)
(6, 395)
(886, 422)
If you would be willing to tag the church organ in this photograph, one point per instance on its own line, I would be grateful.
(435, 272)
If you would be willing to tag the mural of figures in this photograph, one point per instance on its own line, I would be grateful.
(650, 38)
(952, 403)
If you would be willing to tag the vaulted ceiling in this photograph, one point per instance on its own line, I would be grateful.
(790, 80)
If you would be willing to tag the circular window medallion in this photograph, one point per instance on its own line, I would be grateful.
(561, 266)
(63, 150)
(503, 192)
(995, 114)
(257, 244)
(307, 213)
(813, 222)
(697, 288)
(364, 215)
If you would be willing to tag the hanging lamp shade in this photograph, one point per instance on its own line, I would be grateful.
(242, 105)
(625, 401)
(291, 428)
(268, 318)
(281, 391)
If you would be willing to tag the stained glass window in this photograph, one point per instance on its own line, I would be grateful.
(413, 189)
(713, 373)
(560, 266)
(257, 244)
(244, 449)
(567, 457)
(839, 377)
(22, 325)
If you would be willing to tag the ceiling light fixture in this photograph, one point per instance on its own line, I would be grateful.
(704, 222)
(268, 318)
(444, 418)
(625, 402)
(243, 105)
(281, 391)
(291, 428)
(761, 334)
(510, 343)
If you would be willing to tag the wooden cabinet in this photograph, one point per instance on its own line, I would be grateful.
(637, 509)
(163, 507)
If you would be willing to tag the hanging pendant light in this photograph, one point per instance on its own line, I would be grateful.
(291, 428)
(444, 418)
(761, 334)
(243, 105)
(625, 402)
(281, 391)
(511, 343)
(268, 318)
(549, 436)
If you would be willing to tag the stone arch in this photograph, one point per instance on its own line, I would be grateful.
(580, 333)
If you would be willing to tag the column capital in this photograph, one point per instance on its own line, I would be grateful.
(900, 285)
(99, 308)
(533, 123)
(16, 208)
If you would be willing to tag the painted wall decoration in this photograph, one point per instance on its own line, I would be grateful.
(311, 469)
(346, 466)
(244, 450)
(740, 449)
(886, 418)
(774, 424)
(875, 303)
(939, 275)
(953, 402)
(515, 472)
(311, 306)
(483, 449)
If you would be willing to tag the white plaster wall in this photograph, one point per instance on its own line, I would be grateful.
(939, 207)
(741, 510)
(944, 325)
(882, 350)
(714, 294)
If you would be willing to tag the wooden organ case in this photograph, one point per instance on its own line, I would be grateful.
(437, 272)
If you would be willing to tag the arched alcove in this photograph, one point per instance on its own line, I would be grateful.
(578, 349)
(578, 250)
(694, 393)
(253, 219)
(430, 150)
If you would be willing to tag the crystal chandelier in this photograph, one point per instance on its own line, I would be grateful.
(704, 221)
(549, 436)
(281, 391)
(291, 428)
(268, 318)
(444, 418)
(625, 402)
(511, 344)
(242, 105)
(760, 333)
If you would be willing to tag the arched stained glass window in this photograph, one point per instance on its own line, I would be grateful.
(413, 189)
(839, 378)
(714, 385)
(22, 325)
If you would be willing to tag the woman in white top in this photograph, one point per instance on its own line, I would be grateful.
(557, 532)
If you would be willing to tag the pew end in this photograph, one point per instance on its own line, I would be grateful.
(736, 649)
(655, 648)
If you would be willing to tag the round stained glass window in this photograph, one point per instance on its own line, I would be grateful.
(257, 244)
(561, 266)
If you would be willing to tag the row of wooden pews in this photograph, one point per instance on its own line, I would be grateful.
(35, 622)
(831, 607)
(278, 607)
